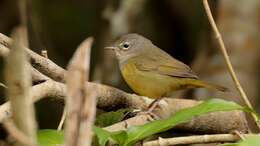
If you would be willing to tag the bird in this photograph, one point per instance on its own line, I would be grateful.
(150, 71)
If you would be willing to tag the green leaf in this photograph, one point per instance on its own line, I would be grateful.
(136, 133)
(110, 118)
(102, 135)
(49, 137)
(252, 140)
(120, 137)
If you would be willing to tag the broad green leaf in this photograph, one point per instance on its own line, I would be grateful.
(102, 135)
(252, 140)
(120, 137)
(49, 137)
(110, 118)
(136, 133)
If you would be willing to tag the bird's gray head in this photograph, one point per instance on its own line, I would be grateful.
(128, 46)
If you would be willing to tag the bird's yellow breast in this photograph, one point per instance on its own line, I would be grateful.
(147, 83)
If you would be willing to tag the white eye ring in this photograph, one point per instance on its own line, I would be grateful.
(125, 45)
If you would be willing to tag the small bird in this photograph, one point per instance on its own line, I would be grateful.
(150, 71)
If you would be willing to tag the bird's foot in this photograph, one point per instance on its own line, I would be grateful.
(150, 115)
(150, 110)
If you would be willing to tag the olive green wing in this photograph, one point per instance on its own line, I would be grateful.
(165, 66)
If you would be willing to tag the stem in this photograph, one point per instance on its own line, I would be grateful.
(227, 60)
(197, 139)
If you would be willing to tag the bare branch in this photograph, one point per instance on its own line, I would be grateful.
(3, 50)
(80, 102)
(43, 90)
(18, 80)
(37, 76)
(44, 65)
(197, 139)
(220, 122)
(88, 111)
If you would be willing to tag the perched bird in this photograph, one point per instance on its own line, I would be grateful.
(150, 71)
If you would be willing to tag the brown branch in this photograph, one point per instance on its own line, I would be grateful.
(44, 65)
(88, 111)
(43, 90)
(37, 76)
(197, 139)
(108, 97)
(18, 81)
(227, 60)
(4, 51)
(80, 102)
(53, 71)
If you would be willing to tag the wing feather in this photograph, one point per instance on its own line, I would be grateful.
(165, 65)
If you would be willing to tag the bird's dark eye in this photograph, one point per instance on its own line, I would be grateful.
(125, 46)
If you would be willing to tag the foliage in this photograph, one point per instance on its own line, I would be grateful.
(136, 133)
(49, 137)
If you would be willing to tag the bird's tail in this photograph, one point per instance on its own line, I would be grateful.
(203, 84)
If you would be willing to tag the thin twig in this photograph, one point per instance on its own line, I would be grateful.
(227, 60)
(198, 139)
(62, 120)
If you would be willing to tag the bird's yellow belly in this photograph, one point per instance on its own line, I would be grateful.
(147, 83)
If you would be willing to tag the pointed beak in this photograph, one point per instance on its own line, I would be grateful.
(111, 48)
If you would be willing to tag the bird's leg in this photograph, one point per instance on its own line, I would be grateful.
(153, 105)
(150, 109)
